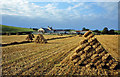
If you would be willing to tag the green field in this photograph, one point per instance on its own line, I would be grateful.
(11, 29)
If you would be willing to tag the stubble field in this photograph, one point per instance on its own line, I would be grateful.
(37, 59)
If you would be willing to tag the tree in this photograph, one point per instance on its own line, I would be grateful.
(35, 29)
(84, 29)
(97, 31)
(112, 31)
(105, 30)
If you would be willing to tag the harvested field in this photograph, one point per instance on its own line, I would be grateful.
(19, 38)
(50, 58)
(22, 59)
(110, 43)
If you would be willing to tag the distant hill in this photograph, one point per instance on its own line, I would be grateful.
(11, 29)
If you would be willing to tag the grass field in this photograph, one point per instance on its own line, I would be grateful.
(11, 29)
(50, 58)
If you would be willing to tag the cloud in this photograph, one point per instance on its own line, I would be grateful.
(50, 10)
(25, 8)
(75, 13)
(108, 6)
(74, 0)
(111, 9)
(14, 7)
(75, 6)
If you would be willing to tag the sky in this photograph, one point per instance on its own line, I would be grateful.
(60, 14)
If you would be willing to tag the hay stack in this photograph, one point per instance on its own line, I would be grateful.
(30, 37)
(40, 39)
(91, 52)
(80, 35)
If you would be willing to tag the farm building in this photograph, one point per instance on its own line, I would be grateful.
(73, 32)
(50, 30)
(59, 31)
(83, 32)
(46, 30)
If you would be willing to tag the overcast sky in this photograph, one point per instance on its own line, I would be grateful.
(69, 15)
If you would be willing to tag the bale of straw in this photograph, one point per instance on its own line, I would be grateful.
(76, 60)
(113, 65)
(40, 39)
(29, 38)
(86, 49)
(81, 61)
(91, 39)
(93, 42)
(44, 41)
(96, 45)
(80, 35)
(94, 39)
(87, 61)
(105, 57)
(94, 52)
(90, 36)
(109, 63)
(95, 55)
(89, 65)
(87, 33)
(82, 47)
(102, 64)
(84, 41)
(74, 56)
(80, 53)
(104, 61)
(90, 54)
(99, 49)
(99, 66)
(32, 36)
(83, 56)
(85, 45)
(78, 49)
(98, 62)
(102, 54)
(95, 59)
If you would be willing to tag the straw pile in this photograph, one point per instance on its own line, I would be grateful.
(40, 39)
(80, 35)
(30, 37)
(90, 53)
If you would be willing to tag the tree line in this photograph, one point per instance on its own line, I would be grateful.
(104, 31)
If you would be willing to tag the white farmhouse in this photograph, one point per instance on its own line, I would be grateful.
(46, 30)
